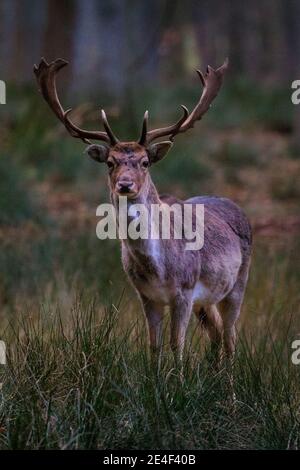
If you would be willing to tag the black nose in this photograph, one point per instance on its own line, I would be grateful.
(124, 186)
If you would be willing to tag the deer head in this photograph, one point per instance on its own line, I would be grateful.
(127, 162)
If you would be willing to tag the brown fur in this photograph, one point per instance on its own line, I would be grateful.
(167, 274)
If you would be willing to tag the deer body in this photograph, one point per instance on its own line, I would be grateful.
(164, 273)
(210, 281)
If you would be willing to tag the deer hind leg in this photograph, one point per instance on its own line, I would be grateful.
(230, 309)
(210, 319)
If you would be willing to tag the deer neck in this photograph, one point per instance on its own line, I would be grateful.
(148, 195)
(140, 249)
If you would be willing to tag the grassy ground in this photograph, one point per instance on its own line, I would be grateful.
(78, 373)
(79, 377)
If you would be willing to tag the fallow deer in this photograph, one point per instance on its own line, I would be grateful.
(209, 282)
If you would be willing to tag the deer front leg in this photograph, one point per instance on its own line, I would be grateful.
(154, 316)
(181, 310)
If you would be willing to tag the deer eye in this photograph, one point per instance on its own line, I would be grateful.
(110, 164)
(145, 163)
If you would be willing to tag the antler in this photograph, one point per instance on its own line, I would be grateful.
(212, 82)
(148, 136)
(46, 78)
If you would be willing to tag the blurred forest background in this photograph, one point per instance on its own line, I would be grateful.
(128, 56)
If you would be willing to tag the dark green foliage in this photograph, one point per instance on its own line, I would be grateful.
(245, 103)
(79, 261)
(185, 166)
(16, 202)
(237, 155)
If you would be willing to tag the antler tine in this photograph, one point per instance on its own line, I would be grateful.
(142, 139)
(212, 82)
(46, 78)
(170, 130)
(111, 135)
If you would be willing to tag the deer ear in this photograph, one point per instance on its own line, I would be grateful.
(97, 152)
(158, 151)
